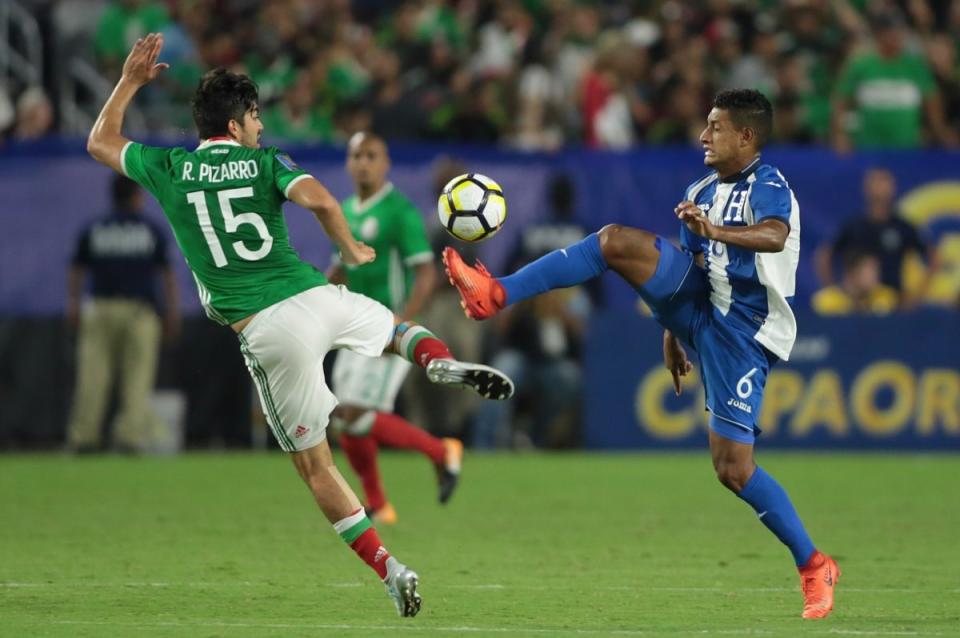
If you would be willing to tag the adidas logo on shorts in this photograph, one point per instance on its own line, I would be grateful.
(300, 431)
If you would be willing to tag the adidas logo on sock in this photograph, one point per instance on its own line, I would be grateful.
(381, 552)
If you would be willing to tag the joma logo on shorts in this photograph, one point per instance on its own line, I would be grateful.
(740, 405)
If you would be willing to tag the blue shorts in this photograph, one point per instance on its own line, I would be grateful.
(733, 364)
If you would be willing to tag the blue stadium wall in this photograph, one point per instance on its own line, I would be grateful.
(888, 383)
(853, 383)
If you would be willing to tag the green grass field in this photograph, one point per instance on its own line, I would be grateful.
(532, 545)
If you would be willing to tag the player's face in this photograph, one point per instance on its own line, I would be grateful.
(367, 164)
(721, 140)
(248, 133)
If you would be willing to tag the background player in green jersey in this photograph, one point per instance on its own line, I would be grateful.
(223, 201)
(401, 279)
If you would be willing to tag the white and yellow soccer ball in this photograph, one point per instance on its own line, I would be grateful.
(472, 207)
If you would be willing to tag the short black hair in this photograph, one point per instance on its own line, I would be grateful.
(748, 109)
(222, 96)
(122, 191)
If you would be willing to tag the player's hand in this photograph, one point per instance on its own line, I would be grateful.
(357, 254)
(675, 358)
(694, 219)
(141, 65)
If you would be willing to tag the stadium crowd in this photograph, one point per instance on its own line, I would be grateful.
(539, 74)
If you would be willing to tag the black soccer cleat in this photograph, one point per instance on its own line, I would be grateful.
(488, 382)
(448, 472)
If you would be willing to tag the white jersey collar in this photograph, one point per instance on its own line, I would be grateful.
(218, 141)
(373, 200)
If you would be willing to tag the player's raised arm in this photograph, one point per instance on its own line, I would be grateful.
(105, 143)
(767, 236)
(312, 195)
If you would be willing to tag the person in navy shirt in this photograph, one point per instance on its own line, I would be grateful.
(124, 256)
(881, 233)
(726, 295)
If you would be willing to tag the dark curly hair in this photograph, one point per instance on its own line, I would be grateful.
(222, 96)
(748, 109)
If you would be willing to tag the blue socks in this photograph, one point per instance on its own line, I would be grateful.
(563, 268)
(775, 510)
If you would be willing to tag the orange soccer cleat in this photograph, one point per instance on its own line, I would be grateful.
(384, 515)
(481, 295)
(818, 579)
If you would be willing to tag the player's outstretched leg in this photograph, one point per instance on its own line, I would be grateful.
(446, 454)
(736, 469)
(415, 343)
(363, 430)
(341, 507)
(631, 253)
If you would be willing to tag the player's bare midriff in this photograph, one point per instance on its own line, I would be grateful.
(238, 326)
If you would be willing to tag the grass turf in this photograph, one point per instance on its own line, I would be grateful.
(532, 545)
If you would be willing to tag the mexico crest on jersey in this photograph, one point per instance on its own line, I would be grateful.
(369, 228)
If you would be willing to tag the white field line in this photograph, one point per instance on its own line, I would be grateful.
(486, 630)
(482, 586)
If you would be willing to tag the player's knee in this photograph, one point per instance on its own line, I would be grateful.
(734, 476)
(620, 243)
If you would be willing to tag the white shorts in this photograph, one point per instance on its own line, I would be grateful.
(366, 382)
(284, 346)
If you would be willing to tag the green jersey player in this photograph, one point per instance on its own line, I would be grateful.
(402, 279)
(223, 201)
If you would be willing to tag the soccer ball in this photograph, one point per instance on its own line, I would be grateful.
(472, 207)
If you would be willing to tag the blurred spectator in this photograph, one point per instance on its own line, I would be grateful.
(860, 290)
(121, 24)
(500, 43)
(681, 118)
(792, 103)
(757, 69)
(119, 326)
(539, 342)
(299, 116)
(942, 53)
(607, 118)
(889, 91)
(881, 233)
(396, 108)
(34, 114)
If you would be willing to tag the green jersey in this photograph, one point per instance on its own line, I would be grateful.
(389, 223)
(223, 201)
(888, 95)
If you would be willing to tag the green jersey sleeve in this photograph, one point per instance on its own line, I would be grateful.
(414, 245)
(146, 165)
(285, 171)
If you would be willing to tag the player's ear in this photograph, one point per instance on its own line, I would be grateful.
(233, 129)
(748, 136)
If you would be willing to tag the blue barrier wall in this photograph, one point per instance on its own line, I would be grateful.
(890, 383)
(49, 191)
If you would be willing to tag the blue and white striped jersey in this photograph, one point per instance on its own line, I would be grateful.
(753, 290)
